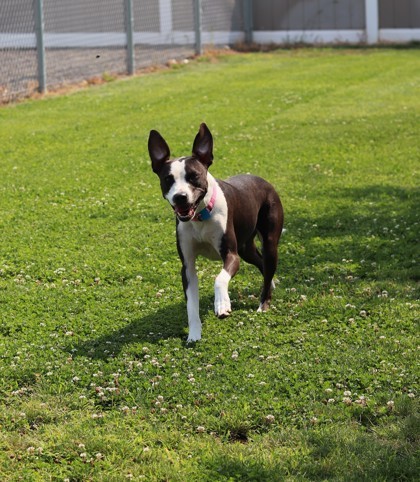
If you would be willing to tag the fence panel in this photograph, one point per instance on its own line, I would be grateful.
(18, 58)
(86, 39)
(83, 39)
(399, 14)
(163, 30)
(308, 15)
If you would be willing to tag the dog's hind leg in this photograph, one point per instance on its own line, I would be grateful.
(252, 255)
(270, 258)
(269, 226)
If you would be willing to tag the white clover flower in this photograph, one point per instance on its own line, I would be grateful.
(347, 401)
(269, 418)
(390, 404)
(200, 429)
(347, 393)
(361, 401)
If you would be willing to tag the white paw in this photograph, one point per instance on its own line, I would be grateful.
(263, 308)
(221, 296)
(193, 336)
(222, 306)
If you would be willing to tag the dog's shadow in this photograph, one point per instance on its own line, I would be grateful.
(167, 322)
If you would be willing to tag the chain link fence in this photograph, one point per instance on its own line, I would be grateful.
(45, 44)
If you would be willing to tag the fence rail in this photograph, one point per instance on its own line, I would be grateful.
(46, 43)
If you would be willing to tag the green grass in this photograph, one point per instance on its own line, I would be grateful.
(96, 380)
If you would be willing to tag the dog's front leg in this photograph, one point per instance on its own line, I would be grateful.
(190, 283)
(222, 306)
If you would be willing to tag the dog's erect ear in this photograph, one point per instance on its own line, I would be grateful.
(158, 151)
(203, 145)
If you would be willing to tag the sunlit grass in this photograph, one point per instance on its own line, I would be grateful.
(96, 381)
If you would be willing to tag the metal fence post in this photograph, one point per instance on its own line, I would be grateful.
(197, 27)
(129, 26)
(372, 21)
(248, 21)
(40, 48)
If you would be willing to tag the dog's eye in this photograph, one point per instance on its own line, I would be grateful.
(169, 179)
(192, 177)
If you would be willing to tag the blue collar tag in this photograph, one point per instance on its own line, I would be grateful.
(204, 214)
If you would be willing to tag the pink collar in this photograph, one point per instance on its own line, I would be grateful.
(205, 213)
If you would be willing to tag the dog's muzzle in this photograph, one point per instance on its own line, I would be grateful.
(183, 209)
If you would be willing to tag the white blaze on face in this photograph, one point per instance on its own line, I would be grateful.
(180, 185)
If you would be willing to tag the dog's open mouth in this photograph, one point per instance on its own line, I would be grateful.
(185, 213)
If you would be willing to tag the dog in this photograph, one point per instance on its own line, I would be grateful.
(217, 219)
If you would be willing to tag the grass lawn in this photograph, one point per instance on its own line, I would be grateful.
(96, 379)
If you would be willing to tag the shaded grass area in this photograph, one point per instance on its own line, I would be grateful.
(96, 381)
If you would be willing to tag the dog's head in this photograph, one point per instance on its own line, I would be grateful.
(184, 179)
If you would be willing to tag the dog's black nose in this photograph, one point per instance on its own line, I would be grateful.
(180, 199)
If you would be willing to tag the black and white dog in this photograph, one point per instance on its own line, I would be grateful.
(217, 219)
